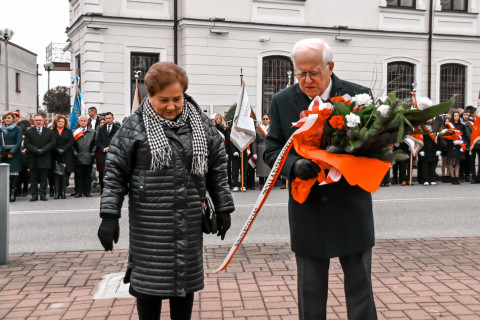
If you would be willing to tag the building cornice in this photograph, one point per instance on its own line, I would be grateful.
(86, 18)
(19, 47)
(296, 28)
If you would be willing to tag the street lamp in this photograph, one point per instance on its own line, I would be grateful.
(6, 34)
(48, 66)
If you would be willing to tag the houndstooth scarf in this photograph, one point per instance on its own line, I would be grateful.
(161, 151)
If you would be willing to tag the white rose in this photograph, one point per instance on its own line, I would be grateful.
(382, 99)
(352, 120)
(383, 109)
(424, 103)
(325, 105)
(362, 99)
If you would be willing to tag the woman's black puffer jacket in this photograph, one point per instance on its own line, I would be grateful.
(165, 215)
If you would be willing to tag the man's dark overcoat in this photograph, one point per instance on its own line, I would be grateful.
(33, 142)
(104, 138)
(336, 219)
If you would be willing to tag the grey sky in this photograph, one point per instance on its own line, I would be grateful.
(36, 24)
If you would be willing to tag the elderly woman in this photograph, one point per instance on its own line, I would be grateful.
(165, 156)
(10, 145)
(63, 153)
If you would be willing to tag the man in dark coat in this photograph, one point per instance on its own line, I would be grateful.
(94, 119)
(104, 136)
(84, 149)
(39, 142)
(336, 220)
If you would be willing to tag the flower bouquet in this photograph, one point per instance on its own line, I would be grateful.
(371, 128)
(353, 137)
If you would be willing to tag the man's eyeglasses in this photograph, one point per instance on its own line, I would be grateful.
(265, 118)
(312, 74)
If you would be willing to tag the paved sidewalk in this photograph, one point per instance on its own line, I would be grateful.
(412, 279)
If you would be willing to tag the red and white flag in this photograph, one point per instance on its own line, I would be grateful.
(137, 99)
(475, 131)
(78, 133)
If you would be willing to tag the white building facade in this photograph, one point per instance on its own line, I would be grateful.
(382, 44)
(22, 79)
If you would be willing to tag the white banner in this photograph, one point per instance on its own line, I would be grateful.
(243, 128)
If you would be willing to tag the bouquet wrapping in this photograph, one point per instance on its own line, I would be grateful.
(353, 138)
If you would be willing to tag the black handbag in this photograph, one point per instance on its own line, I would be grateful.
(59, 168)
(209, 218)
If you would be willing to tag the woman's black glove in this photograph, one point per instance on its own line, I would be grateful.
(108, 232)
(305, 169)
(223, 224)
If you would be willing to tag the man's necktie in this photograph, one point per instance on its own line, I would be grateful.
(39, 130)
(83, 130)
(108, 129)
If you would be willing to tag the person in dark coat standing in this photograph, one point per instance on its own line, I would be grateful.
(263, 170)
(39, 142)
(224, 131)
(166, 156)
(84, 150)
(24, 175)
(10, 145)
(104, 137)
(429, 155)
(336, 220)
(63, 153)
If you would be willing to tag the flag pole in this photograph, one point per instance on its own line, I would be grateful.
(414, 105)
(241, 156)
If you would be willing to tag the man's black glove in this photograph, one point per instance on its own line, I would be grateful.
(108, 232)
(305, 169)
(223, 224)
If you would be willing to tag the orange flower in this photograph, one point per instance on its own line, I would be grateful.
(341, 99)
(337, 122)
(357, 109)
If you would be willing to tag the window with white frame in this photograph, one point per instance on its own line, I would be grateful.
(274, 78)
(452, 83)
(140, 61)
(401, 4)
(454, 5)
(400, 77)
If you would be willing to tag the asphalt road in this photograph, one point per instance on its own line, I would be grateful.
(416, 211)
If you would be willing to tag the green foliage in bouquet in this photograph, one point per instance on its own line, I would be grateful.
(370, 129)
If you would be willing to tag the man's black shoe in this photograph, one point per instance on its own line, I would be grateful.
(73, 194)
(43, 199)
(34, 198)
(78, 195)
(88, 195)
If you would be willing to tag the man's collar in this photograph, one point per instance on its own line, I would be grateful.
(326, 94)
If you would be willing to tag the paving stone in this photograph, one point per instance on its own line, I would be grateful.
(412, 279)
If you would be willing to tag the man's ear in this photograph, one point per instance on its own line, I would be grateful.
(331, 65)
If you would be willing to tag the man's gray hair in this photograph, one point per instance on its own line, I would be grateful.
(316, 44)
(83, 116)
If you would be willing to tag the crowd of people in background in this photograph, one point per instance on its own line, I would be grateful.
(43, 154)
(457, 162)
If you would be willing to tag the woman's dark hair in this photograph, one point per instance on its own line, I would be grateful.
(453, 116)
(163, 74)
